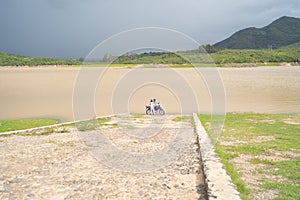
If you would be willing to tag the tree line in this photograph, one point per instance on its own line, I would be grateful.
(208, 53)
(205, 54)
(16, 60)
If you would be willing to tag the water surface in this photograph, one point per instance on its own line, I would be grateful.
(47, 92)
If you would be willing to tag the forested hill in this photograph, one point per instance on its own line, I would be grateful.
(282, 32)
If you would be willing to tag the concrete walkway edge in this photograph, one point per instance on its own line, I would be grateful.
(219, 183)
(42, 128)
(30, 130)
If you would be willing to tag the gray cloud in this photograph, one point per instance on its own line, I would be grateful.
(71, 28)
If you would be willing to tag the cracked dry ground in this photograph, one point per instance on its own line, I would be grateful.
(66, 165)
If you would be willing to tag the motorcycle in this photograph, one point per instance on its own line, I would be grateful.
(158, 109)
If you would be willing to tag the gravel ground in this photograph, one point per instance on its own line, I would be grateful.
(65, 166)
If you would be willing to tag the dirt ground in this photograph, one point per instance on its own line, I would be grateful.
(62, 166)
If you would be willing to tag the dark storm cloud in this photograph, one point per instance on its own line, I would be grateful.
(71, 28)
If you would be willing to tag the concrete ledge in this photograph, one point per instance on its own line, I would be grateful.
(219, 183)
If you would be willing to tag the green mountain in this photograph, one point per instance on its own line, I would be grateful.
(282, 32)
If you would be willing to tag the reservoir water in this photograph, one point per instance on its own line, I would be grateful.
(48, 92)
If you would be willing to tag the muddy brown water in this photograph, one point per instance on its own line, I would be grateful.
(48, 92)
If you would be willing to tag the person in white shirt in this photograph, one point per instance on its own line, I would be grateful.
(152, 107)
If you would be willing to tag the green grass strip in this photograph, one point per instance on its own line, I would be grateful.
(20, 124)
(245, 133)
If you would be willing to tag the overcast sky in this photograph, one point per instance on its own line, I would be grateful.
(72, 28)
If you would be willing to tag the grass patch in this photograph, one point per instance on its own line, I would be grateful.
(104, 120)
(184, 119)
(251, 129)
(289, 169)
(235, 175)
(101, 64)
(177, 119)
(68, 144)
(287, 191)
(247, 149)
(114, 125)
(52, 141)
(92, 124)
(20, 124)
(87, 125)
(193, 65)
(71, 124)
(46, 131)
(137, 116)
(5, 135)
(182, 66)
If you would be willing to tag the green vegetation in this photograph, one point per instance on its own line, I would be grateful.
(151, 58)
(87, 125)
(236, 176)
(67, 144)
(282, 32)
(103, 120)
(248, 57)
(271, 45)
(257, 56)
(182, 66)
(252, 46)
(184, 119)
(52, 141)
(43, 131)
(12, 125)
(271, 142)
(137, 116)
(16, 60)
(93, 124)
(103, 64)
(221, 57)
(46, 131)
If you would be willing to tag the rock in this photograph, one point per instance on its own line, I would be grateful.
(58, 197)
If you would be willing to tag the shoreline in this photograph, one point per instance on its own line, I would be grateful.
(73, 123)
(126, 66)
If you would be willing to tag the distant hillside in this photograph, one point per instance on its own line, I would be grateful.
(282, 32)
(16, 60)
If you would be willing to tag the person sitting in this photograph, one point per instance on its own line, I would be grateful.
(158, 106)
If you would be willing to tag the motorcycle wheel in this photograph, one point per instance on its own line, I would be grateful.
(148, 112)
(161, 112)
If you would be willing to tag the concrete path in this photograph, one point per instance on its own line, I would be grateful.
(162, 155)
